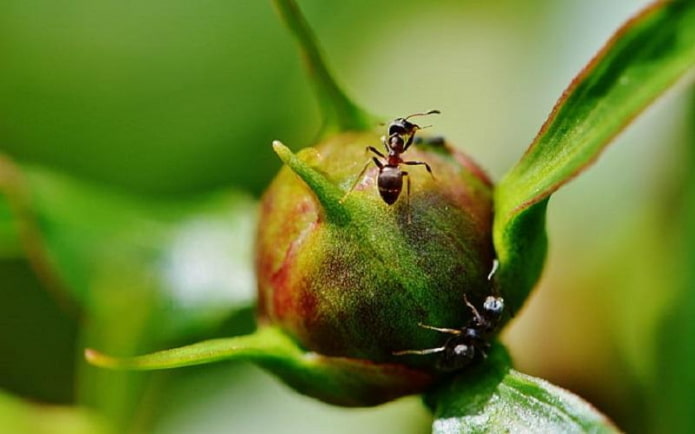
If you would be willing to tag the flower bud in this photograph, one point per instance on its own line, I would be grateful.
(347, 275)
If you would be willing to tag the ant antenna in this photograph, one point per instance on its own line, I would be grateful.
(419, 352)
(495, 266)
(454, 332)
(494, 286)
(440, 329)
(431, 112)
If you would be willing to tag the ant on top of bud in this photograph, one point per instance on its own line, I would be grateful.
(472, 341)
(401, 133)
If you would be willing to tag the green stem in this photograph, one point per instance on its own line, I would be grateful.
(340, 112)
(263, 344)
(337, 380)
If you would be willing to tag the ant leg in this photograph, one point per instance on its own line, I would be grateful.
(357, 180)
(477, 314)
(420, 163)
(410, 139)
(419, 352)
(373, 149)
(407, 195)
(385, 142)
(440, 329)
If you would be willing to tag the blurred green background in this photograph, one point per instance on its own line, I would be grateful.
(144, 131)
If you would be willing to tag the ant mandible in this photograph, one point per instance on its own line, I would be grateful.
(401, 133)
(472, 341)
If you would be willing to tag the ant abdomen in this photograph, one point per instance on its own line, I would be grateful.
(390, 183)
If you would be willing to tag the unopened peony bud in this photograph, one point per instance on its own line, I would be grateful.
(347, 275)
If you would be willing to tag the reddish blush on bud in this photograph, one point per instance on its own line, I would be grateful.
(349, 276)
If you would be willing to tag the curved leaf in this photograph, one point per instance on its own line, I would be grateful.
(644, 58)
(190, 258)
(141, 272)
(492, 397)
(339, 112)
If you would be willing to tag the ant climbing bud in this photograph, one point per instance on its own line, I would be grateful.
(353, 276)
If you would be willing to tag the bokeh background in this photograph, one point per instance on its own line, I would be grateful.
(135, 117)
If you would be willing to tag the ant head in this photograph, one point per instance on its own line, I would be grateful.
(401, 126)
(493, 306)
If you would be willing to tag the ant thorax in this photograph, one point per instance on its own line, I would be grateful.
(395, 145)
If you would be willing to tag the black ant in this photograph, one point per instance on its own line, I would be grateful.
(401, 134)
(472, 341)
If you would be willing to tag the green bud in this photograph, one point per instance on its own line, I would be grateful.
(346, 275)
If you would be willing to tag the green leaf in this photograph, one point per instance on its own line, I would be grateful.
(192, 255)
(492, 397)
(21, 417)
(10, 240)
(672, 389)
(10, 244)
(646, 56)
(340, 113)
(142, 272)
